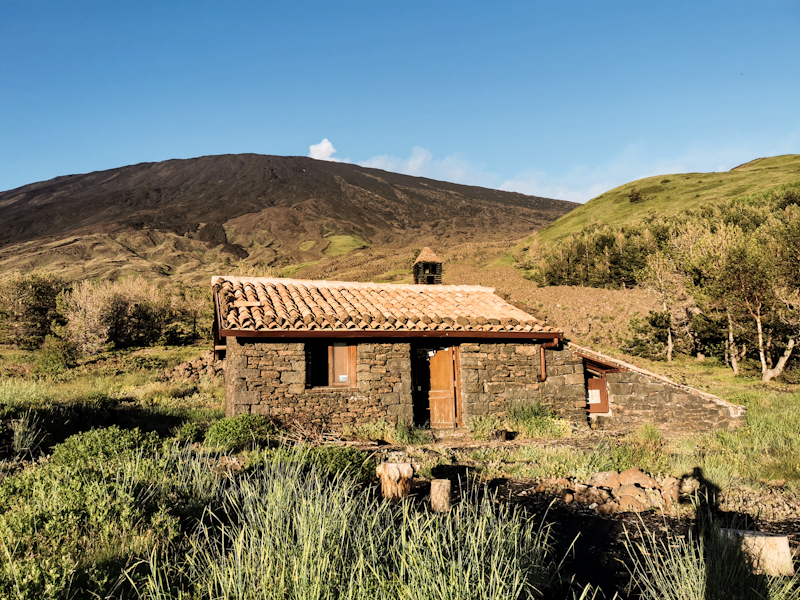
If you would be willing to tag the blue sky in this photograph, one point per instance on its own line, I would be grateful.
(558, 99)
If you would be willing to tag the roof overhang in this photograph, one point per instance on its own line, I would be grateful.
(373, 334)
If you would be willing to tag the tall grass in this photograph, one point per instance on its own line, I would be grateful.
(286, 532)
(710, 566)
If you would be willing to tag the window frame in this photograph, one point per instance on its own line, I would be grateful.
(332, 374)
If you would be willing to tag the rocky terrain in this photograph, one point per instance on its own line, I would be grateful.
(189, 218)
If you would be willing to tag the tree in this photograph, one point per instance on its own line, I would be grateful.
(28, 307)
(664, 280)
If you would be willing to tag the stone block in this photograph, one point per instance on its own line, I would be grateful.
(296, 388)
(391, 398)
(619, 389)
(527, 349)
(575, 379)
(469, 376)
(293, 377)
(242, 397)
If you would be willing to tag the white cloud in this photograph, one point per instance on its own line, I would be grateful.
(322, 151)
(421, 163)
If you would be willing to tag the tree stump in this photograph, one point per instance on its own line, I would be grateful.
(440, 495)
(395, 480)
(768, 553)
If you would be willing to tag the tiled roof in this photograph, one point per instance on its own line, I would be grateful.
(271, 304)
(427, 255)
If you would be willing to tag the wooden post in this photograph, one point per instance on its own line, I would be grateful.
(440, 495)
(395, 480)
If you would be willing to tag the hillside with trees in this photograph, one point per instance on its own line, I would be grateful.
(724, 274)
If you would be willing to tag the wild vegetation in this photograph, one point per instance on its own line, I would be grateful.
(725, 276)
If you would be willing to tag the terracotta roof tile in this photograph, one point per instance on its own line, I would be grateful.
(267, 304)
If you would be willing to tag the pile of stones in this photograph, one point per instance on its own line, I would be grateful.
(609, 492)
(204, 365)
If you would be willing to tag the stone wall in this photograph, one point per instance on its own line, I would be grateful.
(495, 375)
(269, 378)
(636, 398)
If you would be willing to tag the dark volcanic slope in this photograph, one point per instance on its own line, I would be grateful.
(177, 196)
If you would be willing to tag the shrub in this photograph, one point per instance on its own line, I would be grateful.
(534, 419)
(102, 445)
(240, 432)
(481, 426)
(190, 432)
(56, 355)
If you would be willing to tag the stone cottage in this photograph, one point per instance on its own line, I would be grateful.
(342, 353)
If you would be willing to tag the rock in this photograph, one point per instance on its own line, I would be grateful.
(597, 495)
(670, 492)
(606, 479)
(634, 476)
(630, 504)
(689, 485)
(631, 491)
(541, 488)
(567, 497)
(609, 508)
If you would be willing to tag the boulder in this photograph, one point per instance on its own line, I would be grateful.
(631, 491)
(606, 479)
(634, 476)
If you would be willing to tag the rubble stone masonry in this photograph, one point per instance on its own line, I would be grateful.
(496, 375)
(269, 378)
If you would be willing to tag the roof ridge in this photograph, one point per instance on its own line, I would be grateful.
(351, 284)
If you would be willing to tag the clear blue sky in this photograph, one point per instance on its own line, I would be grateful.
(560, 99)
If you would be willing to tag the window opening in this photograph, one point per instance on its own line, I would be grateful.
(331, 365)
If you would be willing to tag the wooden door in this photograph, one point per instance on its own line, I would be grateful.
(443, 394)
(598, 395)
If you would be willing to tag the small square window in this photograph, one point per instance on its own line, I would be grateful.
(331, 365)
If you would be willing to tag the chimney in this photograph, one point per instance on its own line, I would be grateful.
(428, 268)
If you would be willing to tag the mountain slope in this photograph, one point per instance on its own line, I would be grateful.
(191, 217)
(674, 193)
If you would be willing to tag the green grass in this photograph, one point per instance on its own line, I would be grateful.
(292, 270)
(668, 194)
(307, 245)
(342, 244)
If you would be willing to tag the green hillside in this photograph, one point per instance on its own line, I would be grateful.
(674, 193)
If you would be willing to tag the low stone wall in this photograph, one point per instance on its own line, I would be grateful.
(496, 375)
(269, 378)
(636, 398)
(204, 365)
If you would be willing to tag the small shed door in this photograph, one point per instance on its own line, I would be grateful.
(598, 394)
(443, 393)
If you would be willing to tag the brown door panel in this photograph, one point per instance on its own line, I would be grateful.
(598, 395)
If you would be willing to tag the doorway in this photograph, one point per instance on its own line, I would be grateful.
(436, 381)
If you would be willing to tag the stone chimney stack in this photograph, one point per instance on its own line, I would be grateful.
(428, 268)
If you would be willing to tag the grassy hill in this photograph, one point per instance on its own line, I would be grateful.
(675, 193)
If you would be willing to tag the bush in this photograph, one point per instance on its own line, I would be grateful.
(239, 433)
(190, 432)
(56, 355)
(102, 445)
(481, 426)
(534, 419)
